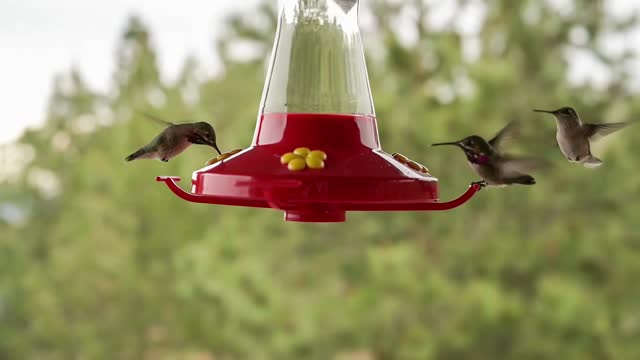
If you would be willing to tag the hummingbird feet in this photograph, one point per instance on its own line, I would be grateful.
(164, 160)
(482, 183)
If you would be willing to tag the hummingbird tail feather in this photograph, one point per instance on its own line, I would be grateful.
(523, 180)
(135, 155)
(592, 162)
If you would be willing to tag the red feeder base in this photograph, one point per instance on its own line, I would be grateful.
(358, 175)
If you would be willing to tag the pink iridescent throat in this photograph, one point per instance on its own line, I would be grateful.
(480, 159)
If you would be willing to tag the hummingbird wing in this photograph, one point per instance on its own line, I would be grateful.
(346, 5)
(597, 131)
(155, 118)
(503, 135)
(513, 166)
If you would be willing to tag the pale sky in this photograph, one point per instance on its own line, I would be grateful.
(41, 38)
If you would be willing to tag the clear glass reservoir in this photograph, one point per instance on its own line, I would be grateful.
(317, 64)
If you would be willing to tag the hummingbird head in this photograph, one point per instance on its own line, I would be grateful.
(473, 146)
(202, 133)
(564, 113)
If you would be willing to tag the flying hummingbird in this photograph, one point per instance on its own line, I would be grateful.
(346, 5)
(574, 137)
(495, 168)
(175, 139)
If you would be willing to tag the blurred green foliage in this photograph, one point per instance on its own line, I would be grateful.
(107, 264)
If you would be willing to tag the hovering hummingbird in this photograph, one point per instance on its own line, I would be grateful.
(175, 139)
(574, 137)
(495, 168)
(346, 5)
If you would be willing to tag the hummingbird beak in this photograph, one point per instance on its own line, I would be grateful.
(201, 140)
(454, 143)
(544, 111)
(216, 147)
(467, 150)
(211, 143)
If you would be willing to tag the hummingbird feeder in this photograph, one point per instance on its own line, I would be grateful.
(317, 97)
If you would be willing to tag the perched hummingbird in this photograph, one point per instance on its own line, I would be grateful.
(495, 168)
(175, 139)
(574, 137)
